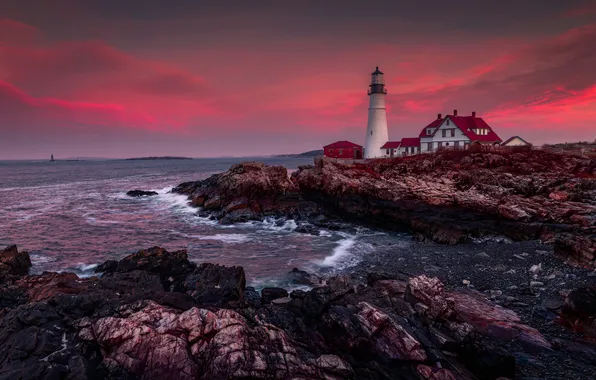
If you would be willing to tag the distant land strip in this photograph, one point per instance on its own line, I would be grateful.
(160, 158)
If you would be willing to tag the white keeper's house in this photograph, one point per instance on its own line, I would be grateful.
(449, 132)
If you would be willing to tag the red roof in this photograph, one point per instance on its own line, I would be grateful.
(466, 124)
(391, 145)
(343, 144)
(435, 124)
(410, 142)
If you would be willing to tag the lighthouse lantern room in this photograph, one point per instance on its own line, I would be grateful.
(376, 130)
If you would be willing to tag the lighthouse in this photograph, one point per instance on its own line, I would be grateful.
(376, 130)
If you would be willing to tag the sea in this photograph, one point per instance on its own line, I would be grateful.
(74, 215)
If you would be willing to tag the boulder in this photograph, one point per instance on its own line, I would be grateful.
(270, 294)
(13, 262)
(140, 193)
(172, 267)
(217, 285)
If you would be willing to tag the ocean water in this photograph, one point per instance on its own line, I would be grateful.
(73, 215)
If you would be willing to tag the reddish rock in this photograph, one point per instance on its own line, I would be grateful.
(13, 262)
(152, 341)
(47, 285)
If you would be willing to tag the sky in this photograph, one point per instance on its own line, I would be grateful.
(113, 78)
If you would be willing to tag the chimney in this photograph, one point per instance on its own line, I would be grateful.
(454, 112)
(439, 116)
(473, 113)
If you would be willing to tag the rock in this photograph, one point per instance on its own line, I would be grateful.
(499, 268)
(536, 284)
(212, 284)
(250, 190)
(141, 193)
(270, 294)
(13, 262)
(298, 294)
(281, 301)
(151, 341)
(536, 268)
(356, 328)
(579, 310)
(171, 266)
(482, 256)
(47, 285)
(301, 277)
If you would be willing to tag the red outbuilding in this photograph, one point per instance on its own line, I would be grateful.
(343, 149)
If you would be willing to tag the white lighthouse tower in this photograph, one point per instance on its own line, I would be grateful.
(376, 130)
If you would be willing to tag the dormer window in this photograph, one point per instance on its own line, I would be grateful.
(429, 131)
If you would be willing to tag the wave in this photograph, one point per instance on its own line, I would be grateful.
(271, 224)
(226, 238)
(340, 252)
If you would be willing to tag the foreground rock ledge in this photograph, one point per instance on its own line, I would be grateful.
(155, 315)
(448, 197)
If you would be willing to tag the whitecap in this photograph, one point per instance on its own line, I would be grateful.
(87, 267)
(340, 252)
(226, 238)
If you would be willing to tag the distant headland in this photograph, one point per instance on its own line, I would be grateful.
(160, 158)
(310, 153)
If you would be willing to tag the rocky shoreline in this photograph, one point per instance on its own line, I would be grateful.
(449, 197)
(455, 310)
(156, 315)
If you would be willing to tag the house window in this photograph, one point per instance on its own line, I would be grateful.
(341, 151)
(453, 132)
(447, 121)
(386, 151)
(456, 144)
(429, 146)
(444, 133)
(429, 132)
(439, 144)
(371, 133)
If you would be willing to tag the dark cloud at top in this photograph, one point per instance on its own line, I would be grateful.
(378, 20)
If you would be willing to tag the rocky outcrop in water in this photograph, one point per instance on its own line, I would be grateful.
(248, 191)
(131, 324)
(140, 193)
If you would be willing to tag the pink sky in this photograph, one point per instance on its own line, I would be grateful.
(113, 80)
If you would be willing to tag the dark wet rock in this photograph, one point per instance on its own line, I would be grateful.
(217, 285)
(171, 266)
(140, 193)
(13, 263)
(301, 277)
(298, 294)
(580, 310)
(126, 324)
(270, 294)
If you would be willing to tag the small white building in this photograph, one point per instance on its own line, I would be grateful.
(515, 141)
